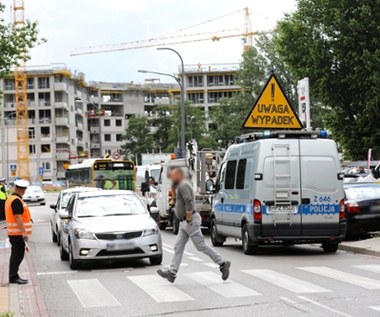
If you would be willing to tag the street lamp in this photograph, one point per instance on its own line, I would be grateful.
(183, 108)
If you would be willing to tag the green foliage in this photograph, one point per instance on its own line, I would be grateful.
(15, 43)
(336, 43)
(138, 138)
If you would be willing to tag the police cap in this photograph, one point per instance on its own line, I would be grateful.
(21, 183)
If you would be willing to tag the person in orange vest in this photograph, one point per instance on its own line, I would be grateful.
(19, 227)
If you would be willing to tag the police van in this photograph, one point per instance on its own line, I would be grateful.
(280, 187)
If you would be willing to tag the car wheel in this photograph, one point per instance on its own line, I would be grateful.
(330, 247)
(53, 236)
(156, 260)
(58, 238)
(161, 225)
(248, 247)
(63, 254)
(74, 264)
(175, 223)
(217, 240)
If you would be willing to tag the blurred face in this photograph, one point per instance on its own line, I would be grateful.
(176, 176)
(20, 191)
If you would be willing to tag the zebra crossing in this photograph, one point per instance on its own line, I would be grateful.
(161, 291)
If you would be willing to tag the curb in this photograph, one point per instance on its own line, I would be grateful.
(359, 250)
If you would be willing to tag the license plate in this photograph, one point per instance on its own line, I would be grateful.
(284, 209)
(115, 246)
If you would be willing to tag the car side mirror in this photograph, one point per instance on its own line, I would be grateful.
(375, 172)
(209, 186)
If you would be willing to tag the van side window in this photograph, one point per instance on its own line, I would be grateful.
(240, 177)
(248, 174)
(230, 175)
(220, 178)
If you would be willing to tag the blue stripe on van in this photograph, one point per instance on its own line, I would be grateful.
(322, 209)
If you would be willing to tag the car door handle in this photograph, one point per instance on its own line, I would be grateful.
(222, 200)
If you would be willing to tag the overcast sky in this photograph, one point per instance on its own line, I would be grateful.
(72, 24)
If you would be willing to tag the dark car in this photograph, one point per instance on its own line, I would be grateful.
(362, 208)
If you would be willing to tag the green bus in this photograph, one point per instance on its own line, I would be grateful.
(103, 173)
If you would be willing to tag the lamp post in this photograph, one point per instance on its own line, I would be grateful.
(5, 142)
(183, 144)
(183, 107)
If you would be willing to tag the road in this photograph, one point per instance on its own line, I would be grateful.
(280, 281)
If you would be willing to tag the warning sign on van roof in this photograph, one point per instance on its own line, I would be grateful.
(272, 110)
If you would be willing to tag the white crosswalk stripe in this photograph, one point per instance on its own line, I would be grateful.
(345, 277)
(92, 293)
(228, 289)
(159, 289)
(376, 308)
(290, 283)
(370, 267)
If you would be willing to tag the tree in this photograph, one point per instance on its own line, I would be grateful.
(15, 43)
(336, 43)
(138, 139)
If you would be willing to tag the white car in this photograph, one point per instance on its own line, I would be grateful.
(59, 209)
(34, 194)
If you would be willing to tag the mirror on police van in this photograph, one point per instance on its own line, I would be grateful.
(376, 172)
(209, 186)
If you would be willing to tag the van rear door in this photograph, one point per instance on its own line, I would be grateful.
(280, 195)
(321, 189)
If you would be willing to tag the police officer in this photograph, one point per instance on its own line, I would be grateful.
(3, 198)
(19, 227)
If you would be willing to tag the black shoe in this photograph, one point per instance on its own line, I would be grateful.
(23, 279)
(18, 280)
(167, 275)
(225, 269)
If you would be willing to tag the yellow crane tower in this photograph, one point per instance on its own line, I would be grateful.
(173, 38)
(21, 100)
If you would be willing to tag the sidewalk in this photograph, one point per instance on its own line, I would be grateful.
(369, 246)
(19, 300)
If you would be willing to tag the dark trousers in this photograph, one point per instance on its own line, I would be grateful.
(17, 255)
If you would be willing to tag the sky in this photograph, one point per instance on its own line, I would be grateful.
(71, 24)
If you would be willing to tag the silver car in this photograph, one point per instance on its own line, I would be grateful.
(59, 209)
(112, 224)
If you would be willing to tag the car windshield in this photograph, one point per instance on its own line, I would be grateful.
(33, 190)
(363, 192)
(109, 205)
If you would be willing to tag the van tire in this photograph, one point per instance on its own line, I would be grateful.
(330, 247)
(162, 226)
(248, 247)
(217, 240)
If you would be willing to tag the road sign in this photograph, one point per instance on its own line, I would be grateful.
(12, 167)
(272, 110)
(115, 155)
(41, 171)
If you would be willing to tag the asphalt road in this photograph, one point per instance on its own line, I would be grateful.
(281, 281)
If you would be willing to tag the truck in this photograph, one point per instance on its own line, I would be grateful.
(201, 168)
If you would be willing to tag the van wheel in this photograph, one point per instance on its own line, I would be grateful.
(217, 240)
(248, 248)
(330, 247)
(54, 237)
(175, 223)
(162, 225)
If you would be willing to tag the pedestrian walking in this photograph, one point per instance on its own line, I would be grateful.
(19, 227)
(3, 198)
(189, 228)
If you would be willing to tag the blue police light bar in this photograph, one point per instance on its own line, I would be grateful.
(323, 134)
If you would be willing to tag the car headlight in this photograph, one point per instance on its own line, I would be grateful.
(151, 231)
(83, 234)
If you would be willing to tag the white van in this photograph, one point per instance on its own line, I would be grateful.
(280, 187)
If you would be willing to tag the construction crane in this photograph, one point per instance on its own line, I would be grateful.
(173, 38)
(21, 101)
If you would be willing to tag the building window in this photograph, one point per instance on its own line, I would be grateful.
(107, 123)
(46, 166)
(30, 83)
(44, 99)
(32, 134)
(119, 123)
(43, 82)
(195, 81)
(32, 149)
(9, 84)
(45, 132)
(45, 148)
(119, 137)
(107, 137)
(196, 97)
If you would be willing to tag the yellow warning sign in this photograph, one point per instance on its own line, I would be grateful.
(272, 110)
